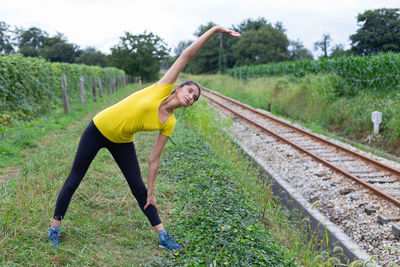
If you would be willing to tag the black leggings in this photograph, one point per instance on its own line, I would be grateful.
(124, 154)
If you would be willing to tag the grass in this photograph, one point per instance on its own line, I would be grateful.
(218, 223)
(209, 197)
(289, 231)
(103, 226)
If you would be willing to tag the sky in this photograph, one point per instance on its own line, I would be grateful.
(100, 23)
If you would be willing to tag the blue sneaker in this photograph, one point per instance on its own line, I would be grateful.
(53, 235)
(167, 241)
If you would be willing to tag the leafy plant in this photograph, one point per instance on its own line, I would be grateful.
(375, 73)
(32, 86)
(218, 223)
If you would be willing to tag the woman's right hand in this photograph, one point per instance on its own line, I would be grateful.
(151, 200)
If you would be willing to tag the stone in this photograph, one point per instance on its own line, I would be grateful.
(362, 205)
(376, 118)
(345, 191)
(370, 210)
(355, 197)
(396, 230)
(384, 219)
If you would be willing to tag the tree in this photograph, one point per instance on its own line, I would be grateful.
(221, 55)
(91, 56)
(261, 46)
(30, 41)
(6, 46)
(35, 42)
(297, 51)
(338, 51)
(323, 44)
(250, 24)
(57, 49)
(279, 26)
(255, 25)
(167, 62)
(139, 55)
(219, 52)
(206, 61)
(225, 49)
(182, 45)
(379, 32)
(215, 56)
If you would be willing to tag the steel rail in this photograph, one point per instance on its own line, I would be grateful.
(338, 169)
(380, 165)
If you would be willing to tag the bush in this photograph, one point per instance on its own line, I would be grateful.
(28, 84)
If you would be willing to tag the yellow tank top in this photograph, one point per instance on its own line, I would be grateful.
(137, 112)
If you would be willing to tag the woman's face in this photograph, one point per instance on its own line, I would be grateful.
(188, 94)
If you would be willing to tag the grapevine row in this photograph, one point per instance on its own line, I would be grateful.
(33, 84)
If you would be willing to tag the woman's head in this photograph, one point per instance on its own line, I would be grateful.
(190, 92)
(190, 82)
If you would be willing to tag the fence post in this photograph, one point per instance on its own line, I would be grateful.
(113, 85)
(100, 88)
(64, 92)
(108, 86)
(83, 93)
(94, 89)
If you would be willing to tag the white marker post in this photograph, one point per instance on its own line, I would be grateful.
(376, 118)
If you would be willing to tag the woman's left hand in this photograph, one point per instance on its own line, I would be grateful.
(227, 31)
(151, 200)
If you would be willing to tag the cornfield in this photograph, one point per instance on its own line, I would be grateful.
(380, 72)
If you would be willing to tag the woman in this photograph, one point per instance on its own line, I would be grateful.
(114, 128)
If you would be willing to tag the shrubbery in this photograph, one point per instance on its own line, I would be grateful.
(36, 82)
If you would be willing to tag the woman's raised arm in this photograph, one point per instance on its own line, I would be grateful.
(172, 74)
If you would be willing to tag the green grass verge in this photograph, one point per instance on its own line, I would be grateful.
(225, 209)
(216, 220)
(28, 134)
(104, 225)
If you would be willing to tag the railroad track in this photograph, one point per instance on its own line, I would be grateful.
(376, 198)
(382, 179)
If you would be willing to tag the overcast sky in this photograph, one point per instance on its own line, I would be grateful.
(100, 23)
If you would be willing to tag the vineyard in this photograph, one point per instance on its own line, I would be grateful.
(30, 87)
(380, 72)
